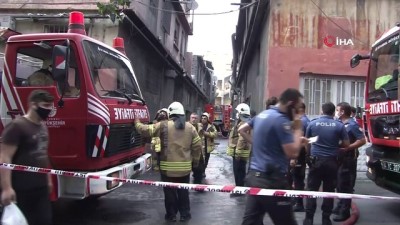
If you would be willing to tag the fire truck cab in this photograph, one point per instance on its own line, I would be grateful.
(382, 110)
(97, 98)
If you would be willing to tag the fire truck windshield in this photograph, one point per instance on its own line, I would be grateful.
(384, 71)
(112, 74)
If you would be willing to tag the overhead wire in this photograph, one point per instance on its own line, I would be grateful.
(340, 27)
(142, 3)
(198, 14)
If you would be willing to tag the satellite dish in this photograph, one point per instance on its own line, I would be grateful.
(193, 5)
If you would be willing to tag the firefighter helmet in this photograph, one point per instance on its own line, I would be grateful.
(243, 109)
(176, 108)
(164, 110)
(206, 115)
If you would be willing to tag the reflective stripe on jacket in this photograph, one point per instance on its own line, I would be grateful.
(179, 147)
(156, 144)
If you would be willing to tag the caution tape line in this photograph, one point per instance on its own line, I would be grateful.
(200, 187)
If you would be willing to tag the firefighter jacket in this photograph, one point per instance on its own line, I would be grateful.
(179, 148)
(198, 127)
(208, 141)
(156, 144)
(238, 147)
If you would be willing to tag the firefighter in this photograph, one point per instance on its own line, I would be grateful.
(180, 148)
(323, 160)
(198, 171)
(238, 147)
(43, 76)
(348, 160)
(161, 115)
(208, 133)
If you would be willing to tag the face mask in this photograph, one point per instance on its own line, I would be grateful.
(337, 115)
(43, 113)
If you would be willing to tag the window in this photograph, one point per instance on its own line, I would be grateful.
(183, 42)
(176, 33)
(166, 16)
(357, 94)
(153, 7)
(318, 89)
(111, 73)
(34, 70)
(316, 92)
(59, 28)
(341, 91)
(55, 28)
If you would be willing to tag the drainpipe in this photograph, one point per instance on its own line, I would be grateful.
(234, 66)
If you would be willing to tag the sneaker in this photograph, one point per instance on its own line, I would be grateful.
(186, 218)
(170, 218)
(298, 208)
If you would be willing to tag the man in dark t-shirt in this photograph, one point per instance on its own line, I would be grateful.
(25, 142)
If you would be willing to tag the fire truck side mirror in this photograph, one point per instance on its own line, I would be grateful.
(60, 65)
(355, 60)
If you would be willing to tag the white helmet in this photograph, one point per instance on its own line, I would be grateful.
(243, 109)
(176, 108)
(164, 110)
(206, 114)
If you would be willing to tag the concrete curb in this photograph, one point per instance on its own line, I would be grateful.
(355, 214)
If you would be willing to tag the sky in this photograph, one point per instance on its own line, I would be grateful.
(212, 34)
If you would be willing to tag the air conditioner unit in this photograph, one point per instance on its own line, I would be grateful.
(7, 21)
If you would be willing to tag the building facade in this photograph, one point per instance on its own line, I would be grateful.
(223, 91)
(155, 34)
(307, 45)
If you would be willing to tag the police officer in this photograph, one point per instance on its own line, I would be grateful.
(298, 171)
(208, 133)
(348, 160)
(277, 137)
(161, 115)
(180, 147)
(324, 164)
(238, 147)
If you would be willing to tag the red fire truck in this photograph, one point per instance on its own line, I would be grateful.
(382, 111)
(97, 98)
(220, 116)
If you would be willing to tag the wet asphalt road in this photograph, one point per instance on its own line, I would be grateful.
(144, 205)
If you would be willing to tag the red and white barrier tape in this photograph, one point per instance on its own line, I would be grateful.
(200, 187)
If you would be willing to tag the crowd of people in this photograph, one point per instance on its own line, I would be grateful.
(269, 150)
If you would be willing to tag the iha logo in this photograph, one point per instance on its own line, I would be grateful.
(331, 41)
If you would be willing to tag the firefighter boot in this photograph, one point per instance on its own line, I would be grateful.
(298, 206)
(326, 220)
(337, 208)
(342, 216)
(309, 220)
